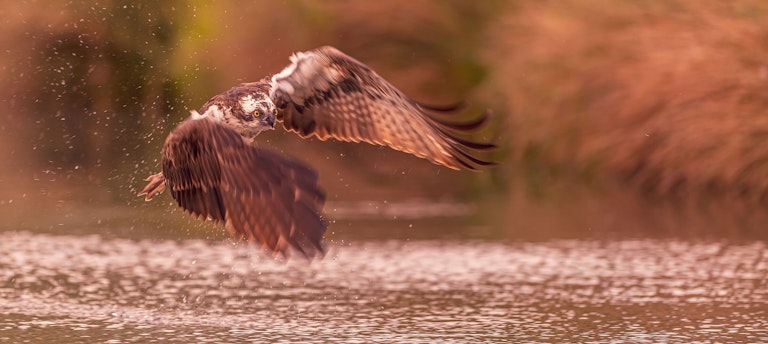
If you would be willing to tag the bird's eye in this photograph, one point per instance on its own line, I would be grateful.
(256, 114)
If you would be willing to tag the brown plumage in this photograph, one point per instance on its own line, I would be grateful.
(261, 195)
(331, 95)
(265, 197)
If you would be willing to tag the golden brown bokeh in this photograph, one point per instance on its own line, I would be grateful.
(668, 98)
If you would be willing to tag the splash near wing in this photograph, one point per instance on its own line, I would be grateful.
(259, 194)
(328, 94)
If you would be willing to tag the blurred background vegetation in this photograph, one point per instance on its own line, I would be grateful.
(603, 110)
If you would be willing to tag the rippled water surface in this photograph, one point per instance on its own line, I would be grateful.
(97, 289)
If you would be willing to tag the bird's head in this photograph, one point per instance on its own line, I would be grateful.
(253, 114)
(249, 114)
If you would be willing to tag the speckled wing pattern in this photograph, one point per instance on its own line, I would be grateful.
(328, 94)
(262, 196)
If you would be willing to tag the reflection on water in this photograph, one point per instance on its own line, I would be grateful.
(90, 288)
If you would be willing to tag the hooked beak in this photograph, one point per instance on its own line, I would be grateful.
(270, 121)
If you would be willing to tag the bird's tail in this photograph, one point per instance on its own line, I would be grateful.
(155, 186)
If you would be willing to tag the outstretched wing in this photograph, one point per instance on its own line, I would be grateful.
(259, 194)
(331, 95)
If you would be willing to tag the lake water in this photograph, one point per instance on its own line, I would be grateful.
(94, 288)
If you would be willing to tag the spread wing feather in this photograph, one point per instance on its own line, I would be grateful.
(328, 94)
(259, 194)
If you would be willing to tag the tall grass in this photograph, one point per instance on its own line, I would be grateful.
(669, 96)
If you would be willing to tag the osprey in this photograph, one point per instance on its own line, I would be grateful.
(214, 171)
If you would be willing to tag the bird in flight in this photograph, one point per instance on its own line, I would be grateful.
(214, 170)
